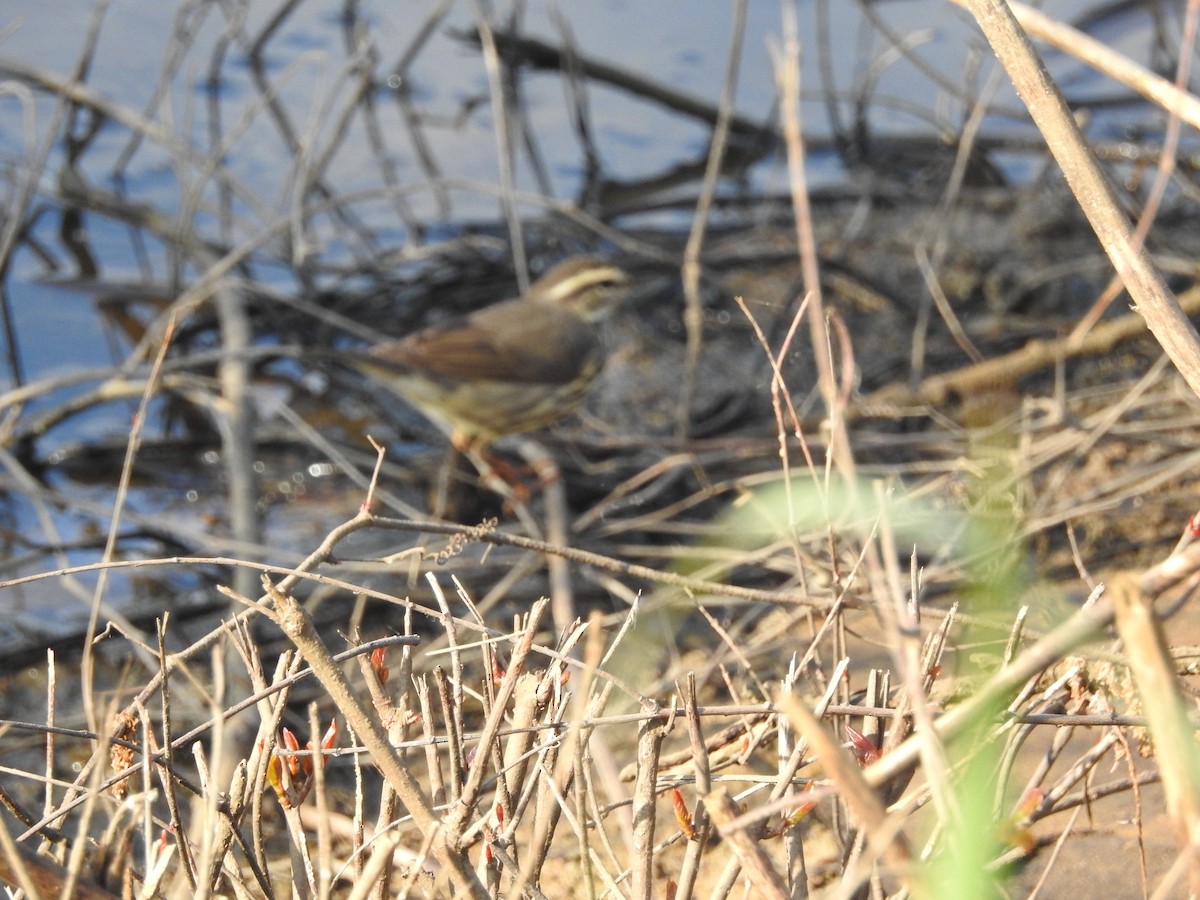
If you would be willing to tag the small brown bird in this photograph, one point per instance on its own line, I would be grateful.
(514, 367)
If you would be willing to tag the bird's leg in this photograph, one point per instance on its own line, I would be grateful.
(498, 474)
(514, 494)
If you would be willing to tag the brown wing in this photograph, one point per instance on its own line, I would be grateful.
(516, 342)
